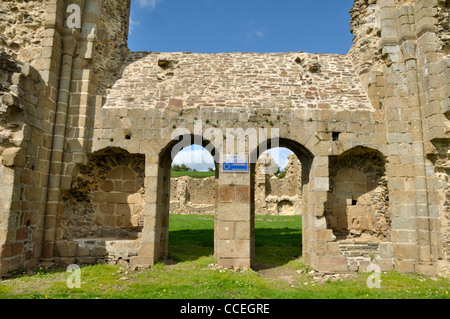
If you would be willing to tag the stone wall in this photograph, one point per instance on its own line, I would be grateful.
(23, 155)
(358, 204)
(366, 29)
(22, 30)
(273, 196)
(67, 95)
(192, 195)
(441, 162)
(443, 25)
(236, 80)
(111, 40)
(106, 198)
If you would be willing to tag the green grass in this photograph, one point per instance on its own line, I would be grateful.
(192, 174)
(188, 275)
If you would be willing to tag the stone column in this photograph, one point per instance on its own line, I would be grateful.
(150, 249)
(235, 220)
(70, 42)
(406, 170)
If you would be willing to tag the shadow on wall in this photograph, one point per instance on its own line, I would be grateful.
(358, 201)
(106, 199)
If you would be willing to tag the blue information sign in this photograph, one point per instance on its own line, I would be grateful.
(235, 163)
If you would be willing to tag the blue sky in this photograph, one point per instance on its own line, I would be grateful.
(196, 157)
(214, 26)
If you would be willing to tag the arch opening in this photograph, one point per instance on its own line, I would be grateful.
(102, 213)
(106, 197)
(187, 199)
(281, 189)
(357, 207)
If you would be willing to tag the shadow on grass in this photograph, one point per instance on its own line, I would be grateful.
(274, 247)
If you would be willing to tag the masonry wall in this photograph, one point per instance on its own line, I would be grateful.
(27, 101)
(273, 196)
(192, 195)
(68, 94)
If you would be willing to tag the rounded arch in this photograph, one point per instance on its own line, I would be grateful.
(105, 196)
(351, 148)
(168, 153)
(166, 156)
(305, 156)
(370, 161)
(358, 201)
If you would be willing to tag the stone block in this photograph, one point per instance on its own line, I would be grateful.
(226, 230)
(406, 251)
(234, 211)
(385, 264)
(242, 263)
(386, 250)
(427, 269)
(141, 262)
(242, 230)
(333, 249)
(83, 251)
(363, 265)
(226, 193)
(331, 264)
(234, 248)
(17, 249)
(324, 235)
(22, 233)
(243, 194)
(14, 157)
(66, 249)
(6, 251)
(147, 249)
(405, 266)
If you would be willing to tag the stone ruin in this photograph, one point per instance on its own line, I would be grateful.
(87, 129)
(273, 196)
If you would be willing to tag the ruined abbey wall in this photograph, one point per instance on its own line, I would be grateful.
(273, 195)
(87, 129)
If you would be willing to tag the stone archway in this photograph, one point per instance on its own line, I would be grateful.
(358, 199)
(306, 159)
(156, 216)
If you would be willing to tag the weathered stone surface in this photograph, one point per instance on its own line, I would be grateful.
(86, 140)
(14, 157)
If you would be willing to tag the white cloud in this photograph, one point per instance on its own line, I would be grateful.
(255, 31)
(258, 33)
(133, 23)
(150, 4)
(194, 157)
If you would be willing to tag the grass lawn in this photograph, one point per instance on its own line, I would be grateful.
(192, 174)
(188, 274)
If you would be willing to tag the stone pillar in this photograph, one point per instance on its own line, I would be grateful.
(407, 173)
(151, 244)
(318, 250)
(235, 220)
(70, 43)
(265, 167)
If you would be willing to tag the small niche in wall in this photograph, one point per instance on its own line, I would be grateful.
(335, 136)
